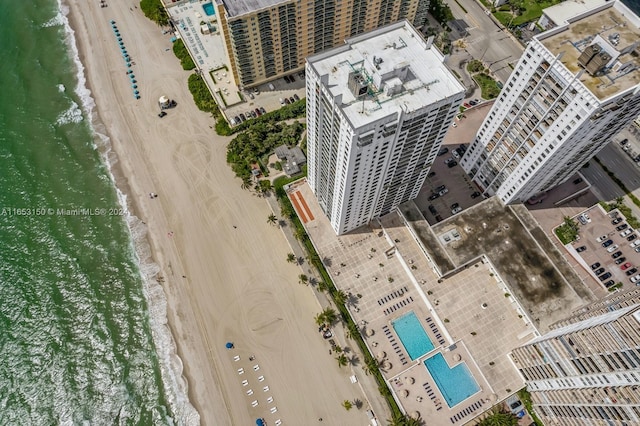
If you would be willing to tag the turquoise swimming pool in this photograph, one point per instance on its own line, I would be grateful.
(208, 9)
(456, 384)
(412, 335)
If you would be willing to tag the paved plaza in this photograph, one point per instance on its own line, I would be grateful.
(464, 311)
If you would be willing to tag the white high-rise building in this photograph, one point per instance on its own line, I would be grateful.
(574, 88)
(378, 109)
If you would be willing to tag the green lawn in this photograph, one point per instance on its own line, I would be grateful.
(532, 11)
(488, 86)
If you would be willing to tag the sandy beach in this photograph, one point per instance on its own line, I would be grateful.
(223, 267)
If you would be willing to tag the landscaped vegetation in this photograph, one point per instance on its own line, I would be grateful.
(488, 86)
(624, 209)
(568, 231)
(181, 52)
(154, 10)
(518, 12)
(525, 397)
(475, 66)
(201, 95)
(260, 139)
(499, 417)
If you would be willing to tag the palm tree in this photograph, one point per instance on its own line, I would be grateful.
(291, 258)
(300, 234)
(303, 279)
(347, 404)
(352, 331)
(330, 316)
(340, 297)
(499, 418)
(370, 366)
(246, 182)
(342, 360)
(319, 319)
(322, 286)
(272, 219)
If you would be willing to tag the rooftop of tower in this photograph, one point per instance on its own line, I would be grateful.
(384, 71)
(616, 31)
(237, 8)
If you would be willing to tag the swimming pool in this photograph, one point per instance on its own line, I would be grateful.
(412, 335)
(208, 9)
(456, 384)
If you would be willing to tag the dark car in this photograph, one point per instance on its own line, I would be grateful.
(452, 164)
(631, 271)
(577, 181)
(475, 102)
(595, 265)
(475, 194)
(291, 99)
(242, 117)
(605, 276)
(291, 78)
(632, 237)
(607, 243)
(433, 196)
(162, 114)
(463, 148)
(599, 271)
(440, 188)
(262, 110)
(581, 249)
(616, 221)
(296, 97)
(455, 206)
(616, 254)
(287, 101)
(620, 260)
(431, 174)
(609, 283)
(286, 79)
(432, 209)
(623, 142)
(438, 218)
(237, 119)
(622, 227)
(443, 151)
(257, 111)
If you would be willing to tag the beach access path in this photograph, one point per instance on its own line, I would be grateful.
(224, 268)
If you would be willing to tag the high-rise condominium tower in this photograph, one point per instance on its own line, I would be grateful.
(574, 88)
(266, 39)
(378, 109)
(586, 371)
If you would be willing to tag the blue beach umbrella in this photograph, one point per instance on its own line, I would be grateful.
(127, 59)
(121, 43)
(135, 86)
(119, 38)
(133, 81)
(136, 92)
(128, 64)
(112, 22)
(259, 422)
(229, 345)
(137, 96)
(129, 71)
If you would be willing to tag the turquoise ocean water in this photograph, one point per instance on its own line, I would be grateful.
(78, 344)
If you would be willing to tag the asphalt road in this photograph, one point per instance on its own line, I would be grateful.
(486, 40)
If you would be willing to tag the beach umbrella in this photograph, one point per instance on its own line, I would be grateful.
(135, 86)
(415, 415)
(229, 345)
(409, 380)
(119, 38)
(127, 59)
(137, 96)
(259, 422)
(405, 393)
(121, 44)
(135, 92)
(129, 71)
(128, 64)
(133, 81)
(113, 22)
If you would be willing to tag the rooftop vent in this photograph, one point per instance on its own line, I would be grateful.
(358, 84)
(594, 59)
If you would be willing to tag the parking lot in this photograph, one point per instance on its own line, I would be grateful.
(458, 188)
(607, 247)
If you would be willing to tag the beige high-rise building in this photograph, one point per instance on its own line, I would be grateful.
(267, 39)
(586, 371)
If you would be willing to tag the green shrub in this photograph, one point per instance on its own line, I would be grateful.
(181, 52)
(201, 95)
(488, 85)
(154, 10)
(475, 66)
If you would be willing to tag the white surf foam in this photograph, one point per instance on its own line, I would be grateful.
(175, 384)
(61, 88)
(72, 115)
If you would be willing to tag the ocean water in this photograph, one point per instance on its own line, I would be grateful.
(81, 326)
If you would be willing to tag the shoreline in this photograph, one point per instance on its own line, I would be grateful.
(106, 145)
(221, 266)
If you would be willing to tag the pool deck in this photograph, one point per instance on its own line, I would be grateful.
(387, 273)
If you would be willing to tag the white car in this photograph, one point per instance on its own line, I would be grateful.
(636, 243)
(456, 210)
(626, 232)
(601, 239)
(635, 279)
(612, 248)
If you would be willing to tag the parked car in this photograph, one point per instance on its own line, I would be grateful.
(455, 205)
(438, 218)
(292, 100)
(625, 266)
(291, 79)
(455, 154)
(440, 188)
(577, 181)
(162, 114)
(433, 196)
(584, 219)
(605, 276)
(431, 174)
(616, 221)
(456, 210)
(257, 111)
(609, 283)
(281, 101)
(607, 243)
(636, 243)
(242, 117)
(595, 265)
(616, 254)
(631, 271)
(620, 260)
(599, 271)
(637, 249)
(443, 191)
(622, 227)
(296, 97)
(452, 164)
(581, 249)
(475, 194)
(517, 408)
(443, 151)
(449, 160)
(601, 238)
(432, 209)
(287, 101)
(463, 148)
(626, 232)
(612, 248)
(635, 279)
(286, 79)
(632, 237)
(262, 110)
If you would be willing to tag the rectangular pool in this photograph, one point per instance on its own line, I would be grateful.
(412, 335)
(456, 384)
(208, 9)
